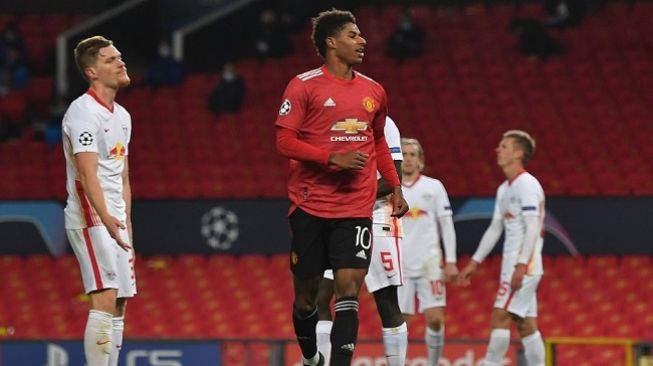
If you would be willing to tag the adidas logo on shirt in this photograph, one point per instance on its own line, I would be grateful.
(329, 103)
(361, 254)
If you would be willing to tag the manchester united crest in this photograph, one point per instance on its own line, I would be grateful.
(368, 104)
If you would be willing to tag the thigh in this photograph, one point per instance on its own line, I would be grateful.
(125, 261)
(406, 296)
(524, 301)
(385, 265)
(349, 243)
(97, 254)
(308, 251)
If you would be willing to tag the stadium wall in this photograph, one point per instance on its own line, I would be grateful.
(574, 225)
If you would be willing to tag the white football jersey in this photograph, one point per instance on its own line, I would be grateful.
(382, 223)
(420, 246)
(91, 126)
(522, 197)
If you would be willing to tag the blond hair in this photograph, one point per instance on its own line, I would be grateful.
(418, 146)
(524, 141)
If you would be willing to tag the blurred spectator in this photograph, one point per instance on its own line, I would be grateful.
(408, 39)
(272, 40)
(11, 39)
(534, 40)
(229, 93)
(165, 71)
(565, 13)
(14, 74)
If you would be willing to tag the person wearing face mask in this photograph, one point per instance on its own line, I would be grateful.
(228, 95)
(407, 40)
(165, 71)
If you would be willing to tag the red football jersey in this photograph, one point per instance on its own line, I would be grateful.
(337, 116)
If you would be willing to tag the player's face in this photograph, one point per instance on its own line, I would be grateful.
(350, 45)
(412, 163)
(507, 152)
(110, 69)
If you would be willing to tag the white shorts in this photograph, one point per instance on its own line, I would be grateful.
(385, 265)
(429, 291)
(522, 302)
(103, 263)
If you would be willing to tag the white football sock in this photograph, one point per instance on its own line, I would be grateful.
(395, 343)
(434, 344)
(323, 333)
(118, 329)
(97, 338)
(534, 349)
(497, 347)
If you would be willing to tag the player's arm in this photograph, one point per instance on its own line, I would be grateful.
(386, 166)
(449, 242)
(127, 196)
(488, 241)
(87, 165)
(290, 146)
(383, 188)
(531, 235)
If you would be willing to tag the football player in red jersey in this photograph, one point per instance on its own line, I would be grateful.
(330, 126)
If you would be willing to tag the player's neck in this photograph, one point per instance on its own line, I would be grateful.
(409, 179)
(106, 95)
(513, 170)
(339, 70)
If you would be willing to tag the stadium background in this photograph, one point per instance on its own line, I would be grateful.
(209, 210)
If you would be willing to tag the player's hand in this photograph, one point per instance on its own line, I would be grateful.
(450, 272)
(518, 276)
(351, 160)
(114, 226)
(465, 276)
(399, 204)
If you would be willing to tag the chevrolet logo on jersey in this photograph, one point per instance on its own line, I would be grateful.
(350, 126)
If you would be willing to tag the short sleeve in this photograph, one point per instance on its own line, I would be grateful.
(443, 206)
(293, 105)
(82, 129)
(529, 198)
(393, 138)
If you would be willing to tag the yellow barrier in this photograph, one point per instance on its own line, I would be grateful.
(627, 343)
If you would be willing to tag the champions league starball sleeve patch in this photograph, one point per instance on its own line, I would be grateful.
(285, 108)
(85, 138)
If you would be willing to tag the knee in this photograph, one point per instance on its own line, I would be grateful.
(304, 303)
(104, 300)
(434, 320)
(436, 324)
(525, 327)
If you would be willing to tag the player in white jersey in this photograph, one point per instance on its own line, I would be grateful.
(519, 211)
(384, 274)
(96, 134)
(429, 218)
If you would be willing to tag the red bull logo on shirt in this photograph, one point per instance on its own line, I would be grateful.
(118, 151)
(416, 212)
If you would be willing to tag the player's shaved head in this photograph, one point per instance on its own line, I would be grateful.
(87, 51)
(523, 141)
(328, 24)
